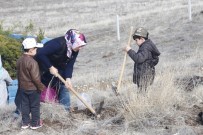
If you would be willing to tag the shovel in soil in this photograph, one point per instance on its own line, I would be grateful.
(88, 112)
(114, 87)
(79, 97)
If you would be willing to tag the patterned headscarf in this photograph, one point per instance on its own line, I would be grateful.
(74, 39)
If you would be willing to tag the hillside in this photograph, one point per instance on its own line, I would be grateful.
(167, 109)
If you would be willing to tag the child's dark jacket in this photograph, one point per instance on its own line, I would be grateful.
(145, 59)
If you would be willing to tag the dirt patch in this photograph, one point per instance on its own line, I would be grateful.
(189, 83)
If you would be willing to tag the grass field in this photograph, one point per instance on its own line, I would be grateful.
(166, 109)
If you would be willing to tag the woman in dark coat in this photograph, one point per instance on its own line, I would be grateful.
(58, 56)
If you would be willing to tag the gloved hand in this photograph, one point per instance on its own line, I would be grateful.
(53, 71)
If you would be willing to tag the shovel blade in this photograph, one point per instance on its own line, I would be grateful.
(114, 88)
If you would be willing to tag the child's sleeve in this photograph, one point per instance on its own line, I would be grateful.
(138, 57)
(35, 76)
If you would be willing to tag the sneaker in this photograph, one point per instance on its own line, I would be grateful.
(25, 126)
(37, 126)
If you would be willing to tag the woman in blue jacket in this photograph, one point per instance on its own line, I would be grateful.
(58, 56)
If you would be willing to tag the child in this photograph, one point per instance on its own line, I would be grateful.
(145, 59)
(29, 84)
(5, 79)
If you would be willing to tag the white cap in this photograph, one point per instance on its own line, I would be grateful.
(29, 43)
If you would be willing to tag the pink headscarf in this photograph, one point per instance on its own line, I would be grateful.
(74, 39)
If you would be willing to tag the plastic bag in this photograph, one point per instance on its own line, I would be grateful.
(49, 94)
(87, 98)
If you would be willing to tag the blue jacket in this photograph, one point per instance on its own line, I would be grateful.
(54, 54)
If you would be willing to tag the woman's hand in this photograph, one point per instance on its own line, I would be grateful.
(53, 71)
(68, 81)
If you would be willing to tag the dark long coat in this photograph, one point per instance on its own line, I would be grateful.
(145, 60)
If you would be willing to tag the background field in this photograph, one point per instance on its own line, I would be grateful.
(167, 109)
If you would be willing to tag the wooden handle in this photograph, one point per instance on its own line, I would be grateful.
(77, 95)
(124, 62)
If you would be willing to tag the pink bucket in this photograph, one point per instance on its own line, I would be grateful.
(48, 95)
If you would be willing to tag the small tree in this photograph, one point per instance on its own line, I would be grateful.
(29, 29)
(10, 50)
(2, 31)
(40, 35)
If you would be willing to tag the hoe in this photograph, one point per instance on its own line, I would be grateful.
(81, 99)
(114, 87)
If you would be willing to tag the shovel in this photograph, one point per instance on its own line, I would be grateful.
(114, 87)
(78, 96)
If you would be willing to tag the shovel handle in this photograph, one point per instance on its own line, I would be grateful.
(77, 95)
(124, 62)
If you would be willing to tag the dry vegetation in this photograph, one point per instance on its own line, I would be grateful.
(165, 109)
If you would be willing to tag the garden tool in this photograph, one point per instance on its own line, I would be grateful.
(114, 87)
(78, 96)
